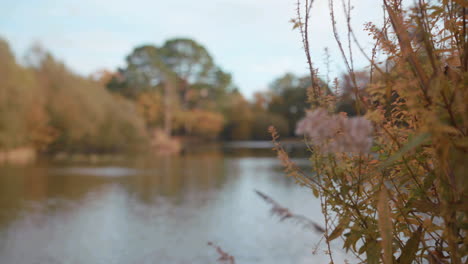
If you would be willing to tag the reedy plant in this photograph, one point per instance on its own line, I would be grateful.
(404, 200)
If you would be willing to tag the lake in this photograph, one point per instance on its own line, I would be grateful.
(156, 210)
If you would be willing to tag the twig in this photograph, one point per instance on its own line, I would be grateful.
(304, 30)
(284, 214)
(223, 255)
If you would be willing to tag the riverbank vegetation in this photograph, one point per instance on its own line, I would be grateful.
(47, 107)
(175, 88)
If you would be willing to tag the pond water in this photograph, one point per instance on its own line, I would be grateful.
(155, 210)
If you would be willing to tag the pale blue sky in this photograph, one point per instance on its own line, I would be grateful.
(252, 39)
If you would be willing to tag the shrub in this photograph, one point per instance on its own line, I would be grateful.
(404, 200)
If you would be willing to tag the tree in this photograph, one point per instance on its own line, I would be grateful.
(200, 78)
(85, 116)
(194, 73)
(145, 71)
(188, 59)
(23, 117)
(288, 99)
(239, 115)
(181, 70)
(149, 105)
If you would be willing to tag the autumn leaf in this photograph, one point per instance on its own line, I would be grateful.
(408, 253)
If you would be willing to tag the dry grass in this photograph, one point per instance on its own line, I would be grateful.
(285, 214)
(223, 256)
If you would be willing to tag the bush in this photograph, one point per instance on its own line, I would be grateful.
(404, 199)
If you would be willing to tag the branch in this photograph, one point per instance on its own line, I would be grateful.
(407, 50)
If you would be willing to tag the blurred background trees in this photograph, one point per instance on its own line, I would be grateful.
(46, 106)
(176, 87)
(198, 92)
(288, 100)
(22, 106)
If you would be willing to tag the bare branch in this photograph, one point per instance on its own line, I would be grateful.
(304, 30)
(348, 63)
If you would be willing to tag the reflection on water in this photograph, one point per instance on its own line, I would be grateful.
(109, 171)
(152, 210)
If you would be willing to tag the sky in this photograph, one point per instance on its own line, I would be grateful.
(251, 39)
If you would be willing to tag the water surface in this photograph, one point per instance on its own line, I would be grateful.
(154, 210)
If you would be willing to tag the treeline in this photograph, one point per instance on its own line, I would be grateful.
(176, 88)
(46, 106)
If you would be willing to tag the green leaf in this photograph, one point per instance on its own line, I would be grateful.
(412, 144)
(383, 156)
(408, 253)
(375, 148)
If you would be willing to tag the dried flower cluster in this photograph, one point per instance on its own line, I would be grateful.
(336, 133)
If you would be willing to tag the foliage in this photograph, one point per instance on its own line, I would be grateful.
(250, 120)
(188, 59)
(176, 86)
(86, 116)
(200, 80)
(263, 119)
(145, 71)
(239, 115)
(287, 99)
(200, 123)
(48, 107)
(182, 74)
(150, 106)
(404, 200)
(23, 116)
